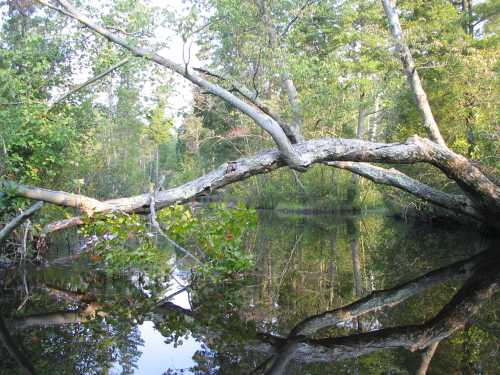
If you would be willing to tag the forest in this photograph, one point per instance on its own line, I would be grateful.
(249, 187)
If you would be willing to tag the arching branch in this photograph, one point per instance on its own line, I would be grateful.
(263, 120)
(392, 177)
(252, 98)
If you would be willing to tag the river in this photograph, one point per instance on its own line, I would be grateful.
(403, 286)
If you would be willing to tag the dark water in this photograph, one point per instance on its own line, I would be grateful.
(433, 286)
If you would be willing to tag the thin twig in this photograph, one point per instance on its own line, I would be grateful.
(90, 81)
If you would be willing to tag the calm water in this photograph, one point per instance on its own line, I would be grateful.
(70, 318)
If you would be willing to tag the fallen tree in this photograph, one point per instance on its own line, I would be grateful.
(480, 201)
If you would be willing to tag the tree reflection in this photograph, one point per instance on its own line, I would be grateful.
(86, 322)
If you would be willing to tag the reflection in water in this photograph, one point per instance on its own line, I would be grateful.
(347, 296)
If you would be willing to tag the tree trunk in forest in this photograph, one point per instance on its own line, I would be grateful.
(353, 189)
(373, 121)
(157, 167)
(412, 75)
(293, 98)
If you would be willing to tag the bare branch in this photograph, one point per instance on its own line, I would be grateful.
(252, 98)
(292, 94)
(261, 119)
(18, 220)
(63, 224)
(60, 198)
(412, 74)
(393, 177)
(90, 81)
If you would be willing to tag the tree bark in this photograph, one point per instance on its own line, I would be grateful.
(252, 98)
(412, 74)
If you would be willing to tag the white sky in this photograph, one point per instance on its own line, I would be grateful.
(182, 99)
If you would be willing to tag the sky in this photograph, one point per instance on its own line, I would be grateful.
(182, 99)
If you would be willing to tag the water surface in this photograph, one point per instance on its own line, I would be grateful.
(72, 318)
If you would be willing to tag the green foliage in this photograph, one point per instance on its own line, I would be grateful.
(217, 231)
(123, 243)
